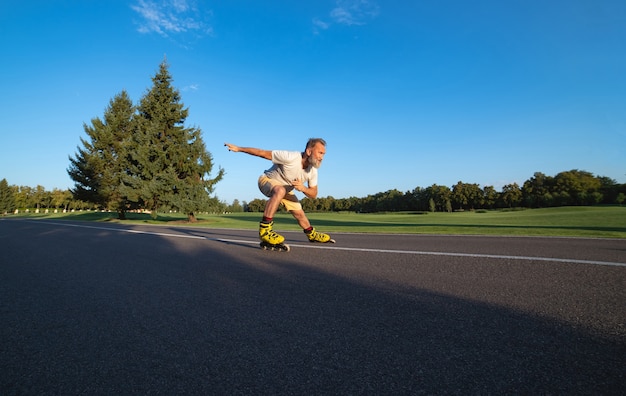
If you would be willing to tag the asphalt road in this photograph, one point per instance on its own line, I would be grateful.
(92, 308)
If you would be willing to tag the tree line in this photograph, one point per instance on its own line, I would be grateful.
(26, 199)
(568, 188)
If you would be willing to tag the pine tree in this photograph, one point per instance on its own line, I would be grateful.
(169, 165)
(99, 167)
(7, 198)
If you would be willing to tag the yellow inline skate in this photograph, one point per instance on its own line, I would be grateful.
(315, 236)
(270, 239)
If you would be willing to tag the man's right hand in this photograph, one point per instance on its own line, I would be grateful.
(231, 147)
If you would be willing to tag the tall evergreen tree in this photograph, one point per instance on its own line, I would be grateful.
(170, 166)
(7, 198)
(98, 167)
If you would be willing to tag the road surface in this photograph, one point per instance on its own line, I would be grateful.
(97, 308)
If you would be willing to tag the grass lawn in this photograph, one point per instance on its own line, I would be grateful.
(596, 221)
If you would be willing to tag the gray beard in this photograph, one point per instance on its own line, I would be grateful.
(314, 163)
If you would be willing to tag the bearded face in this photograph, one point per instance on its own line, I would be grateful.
(316, 155)
(314, 162)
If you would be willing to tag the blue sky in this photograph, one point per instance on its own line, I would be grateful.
(406, 93)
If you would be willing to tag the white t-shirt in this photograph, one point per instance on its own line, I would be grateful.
(288, 167)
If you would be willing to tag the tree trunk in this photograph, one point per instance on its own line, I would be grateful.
(121, 215)
(191, 218)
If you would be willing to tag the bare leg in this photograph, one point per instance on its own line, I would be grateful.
(278, 193)
(301, 218)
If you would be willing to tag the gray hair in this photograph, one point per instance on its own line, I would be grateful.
(313, 141)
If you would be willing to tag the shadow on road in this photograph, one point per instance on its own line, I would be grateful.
(101, 312)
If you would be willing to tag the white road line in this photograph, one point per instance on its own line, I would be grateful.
(327, 247)
(474, 255)
(118, 229)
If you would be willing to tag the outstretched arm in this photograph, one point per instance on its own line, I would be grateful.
(267, 154)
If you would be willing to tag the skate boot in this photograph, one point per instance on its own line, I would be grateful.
(270, 239)
(315, 236)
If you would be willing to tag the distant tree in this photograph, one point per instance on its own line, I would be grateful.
(420, 199)
(511, 195)
(319, 204)
(326, 204)
(368, 204)
(169, 165)
(460, 195)
(467, 196)
(490, 196)
(537, 192)
(100, 166)
(476, 196)
(609, 188)
(235, 206)
(7, 198)
(308, 204)
(256, 205)
(431, 205)
(23, 197)
(442, 196)
(388, 201)
(39, 198)
(61, 198)
(576, 187)
(354, 203)
(342, 204)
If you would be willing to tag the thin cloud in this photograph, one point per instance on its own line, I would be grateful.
(354, 12)
(192, 87)
(171, 17)
(350, 13)
(318, 25)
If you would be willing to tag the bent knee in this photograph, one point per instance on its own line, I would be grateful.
(279, 190)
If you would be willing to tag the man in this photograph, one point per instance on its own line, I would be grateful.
(292, 170)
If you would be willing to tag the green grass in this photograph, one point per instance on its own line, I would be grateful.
(597, 221)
